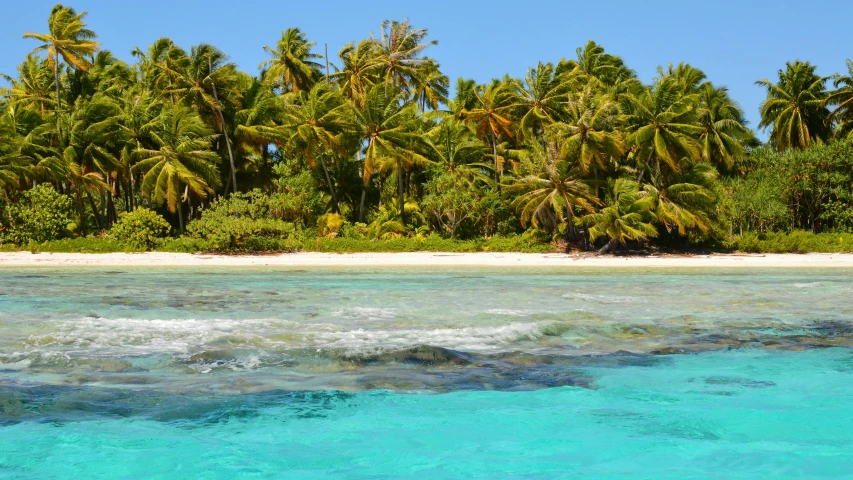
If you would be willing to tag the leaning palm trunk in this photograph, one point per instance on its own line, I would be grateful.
(331, 186)
(609, 246)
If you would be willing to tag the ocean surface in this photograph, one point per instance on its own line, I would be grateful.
(426, 373)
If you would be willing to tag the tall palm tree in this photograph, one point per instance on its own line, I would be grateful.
(391, 131)
(661, 121)
(627, 216)
(842, 100)
(588, 136)
(795, 108)
(259, 107)
(311, 127)
(723, 131)
(209, 85)
(455, 149)
(292, 64)
(68, 38)
(398, 53)
(430, 87)
(34, 86)
(359, 71)
(181, 160)
(551, 192)
(594, 67)
(492, 114)
(539, 100)
(161, 66)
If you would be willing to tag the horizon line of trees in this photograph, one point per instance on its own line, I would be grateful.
(578, 150)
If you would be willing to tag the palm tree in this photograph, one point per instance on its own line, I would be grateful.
(358, 72)
(430, 87)
(390, 130)
(539, 100)
(627, 216)
(595, 68)
(68, 38)
(551, 192)
(588, 135)
(398, 53)
(455, 149)
(311, 127)
(209, 85)
(723, 130)
(33, 87)
(842, 99)
(492, 114)
(795, 108)
(292, 64)
(685, 203)
(259, 107)
(661, 121)
(181, 160)
(161, 67)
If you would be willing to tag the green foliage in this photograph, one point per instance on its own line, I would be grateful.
(627, 216)
(141, 228)
(797, 241)
(450, 203)
(330, 224)
(40, 215)
(806, 189)
(429, 243)
(245, 221)
(300, 201)
(378, 151)
(82, 245)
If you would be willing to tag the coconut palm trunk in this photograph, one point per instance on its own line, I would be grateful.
(497, 168)
(224, 132)
(400, 194)
(331, 186)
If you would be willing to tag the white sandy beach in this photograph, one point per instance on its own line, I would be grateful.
(159, 259)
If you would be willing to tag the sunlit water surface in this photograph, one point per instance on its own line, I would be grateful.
(426, 373)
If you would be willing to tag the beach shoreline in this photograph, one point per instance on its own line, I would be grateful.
(424, 259)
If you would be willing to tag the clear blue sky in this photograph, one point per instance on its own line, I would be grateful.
(734, 42)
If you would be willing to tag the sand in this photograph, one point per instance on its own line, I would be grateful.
(490, 259)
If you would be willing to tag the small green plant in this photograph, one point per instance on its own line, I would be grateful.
(141, 228)
(40, 215)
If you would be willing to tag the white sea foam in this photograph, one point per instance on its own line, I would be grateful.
(366, 313)
(508, 312)
(806, 285)
(466, 339)
(600, 298)
(140, 336)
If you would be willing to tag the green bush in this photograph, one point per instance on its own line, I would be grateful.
(41, 214)
(795, 242)
(141, 228)
(245, 221)
(82, 245)
(430, 243)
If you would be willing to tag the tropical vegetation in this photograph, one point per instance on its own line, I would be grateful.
(180, 149)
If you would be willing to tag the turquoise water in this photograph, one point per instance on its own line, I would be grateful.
(429, 373)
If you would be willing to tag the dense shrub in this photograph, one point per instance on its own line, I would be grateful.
(806, 189)
(141, 228)
(429, 243)
(795, 242)
(41, 214)
(245, 221)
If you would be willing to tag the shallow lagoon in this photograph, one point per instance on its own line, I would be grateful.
(441, 373)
